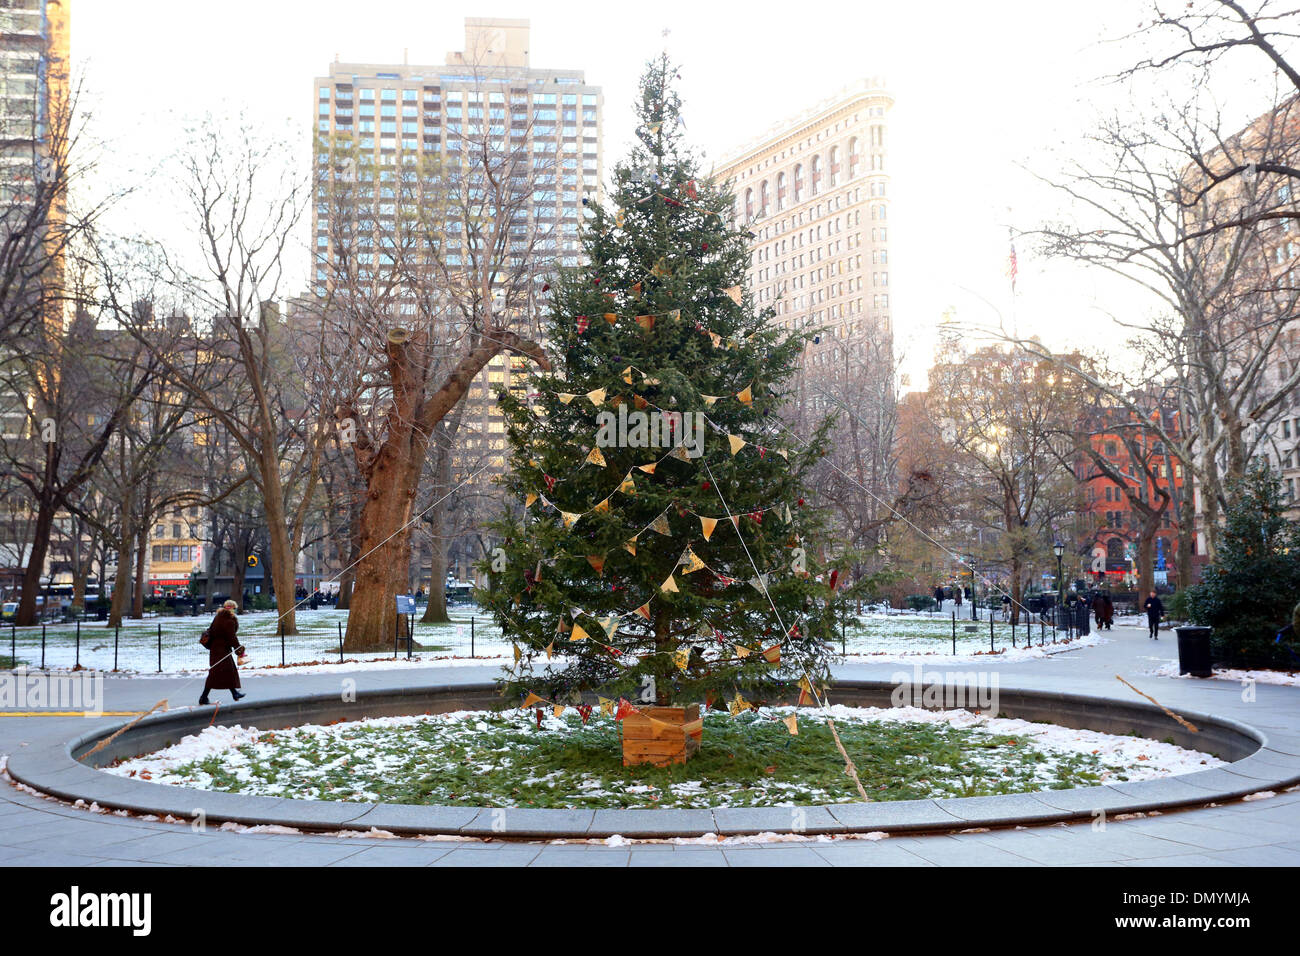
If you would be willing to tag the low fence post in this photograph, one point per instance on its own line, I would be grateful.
(340, 642)
(78, 658)
(117, 631)
(160, 648)
(954, 633)
(281, 643)
(42, 645)
(471, 635)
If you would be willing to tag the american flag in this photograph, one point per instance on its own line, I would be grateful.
(1013, 268)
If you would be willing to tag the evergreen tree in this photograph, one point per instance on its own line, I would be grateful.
(692, 575)
(1251, 590)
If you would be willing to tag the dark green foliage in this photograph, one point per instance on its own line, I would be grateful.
(1249, 593)
(920, 602)
(676, 241)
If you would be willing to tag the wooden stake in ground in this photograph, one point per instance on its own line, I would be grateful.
(1190, 726)
(851, 770)
(121, 730)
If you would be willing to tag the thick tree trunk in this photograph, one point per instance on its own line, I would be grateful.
(26, 613)
(122, 579)
(283, 554)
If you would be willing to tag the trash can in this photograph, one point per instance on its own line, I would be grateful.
(1194, 651)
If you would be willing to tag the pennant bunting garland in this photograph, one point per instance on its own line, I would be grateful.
(707, 525)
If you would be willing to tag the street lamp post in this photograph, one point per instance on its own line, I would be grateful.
(1059, 550)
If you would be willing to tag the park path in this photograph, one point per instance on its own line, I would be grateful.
(35, 831)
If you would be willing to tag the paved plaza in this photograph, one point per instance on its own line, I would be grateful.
(37, 831)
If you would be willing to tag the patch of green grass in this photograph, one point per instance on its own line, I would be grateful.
(742, 762)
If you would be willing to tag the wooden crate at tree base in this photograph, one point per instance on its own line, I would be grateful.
(661, 735)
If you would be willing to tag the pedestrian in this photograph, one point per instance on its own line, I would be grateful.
(938, 597)
(1006, 607)
(1155, 611)
(956, 596)
(1108, 607)
(222, 644)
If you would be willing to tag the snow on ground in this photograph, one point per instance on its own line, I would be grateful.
(879, 637)
(301, 758)
(1284, 678)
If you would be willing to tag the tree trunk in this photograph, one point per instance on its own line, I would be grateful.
(26, 613)
(142, 553)
(283, 555)
(122, 579)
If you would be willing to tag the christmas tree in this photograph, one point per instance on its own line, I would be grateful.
(664, 552)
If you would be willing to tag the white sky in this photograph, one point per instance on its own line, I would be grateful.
(981, 88)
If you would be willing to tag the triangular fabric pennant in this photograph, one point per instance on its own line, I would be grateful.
(627, 485)
(630, 546)
(745, 396)
(783, 453)
(558, 710)
(669, 585)
(734, 293)
(648, 469)
(596, 395)
(549, 648)
(741, 651)
(624, 709)
(680, 452)
(602, 506)
(660, 526)
(566, 397)
(675, 315)
(610, 624)
(611, 317)
(736, 442)
(530, 700)
(710, 399)
(647, 322)
(627, 375)
(640, 403)
(682, 657)
(691, 562)
(518, 653)
(529, 499)
(578, 633)
(644, 610)
(597, 561)
(569, 517)
(606, 706)
(773, 654)
(595, 457)
(707, 525)
(792, 724)
(738, 705)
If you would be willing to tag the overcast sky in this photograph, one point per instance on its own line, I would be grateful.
(981, 90)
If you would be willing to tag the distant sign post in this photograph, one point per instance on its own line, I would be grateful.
(405, 605)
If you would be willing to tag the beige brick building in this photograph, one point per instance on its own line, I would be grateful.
(815, 192)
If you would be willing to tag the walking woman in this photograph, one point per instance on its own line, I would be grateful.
(1155, 611)
(222, 645)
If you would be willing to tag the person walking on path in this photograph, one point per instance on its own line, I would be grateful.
(222, 644)
(938, 597)
(1155, 611)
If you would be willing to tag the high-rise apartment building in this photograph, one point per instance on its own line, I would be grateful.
(814, 191)
(34, 38)
(486, 98)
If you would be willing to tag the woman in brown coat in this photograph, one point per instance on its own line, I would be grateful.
(223, 645)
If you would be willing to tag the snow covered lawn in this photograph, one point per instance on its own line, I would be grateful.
(481, 758)
(1285, 678)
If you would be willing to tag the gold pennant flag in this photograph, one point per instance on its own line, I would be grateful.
(611, 317)
(682, 657)
(675, 315)
(741, 651)
(737, 443)
(594, 457)
(648, 469)
(792, 724)
(561, 626)
(566, 397)
(681, 453)
(738, 705)
(788, 518)
(603, 506)
(627, 375)
(644, 610)
(630, 546)
(596, 395)
(734, 293)
(691, 562)
(660, 526)
(715, 338)
(578, 633)
(606, 706)
(661, 268)
(647, 322)
(569, 517)
(640, 403)
(558, 710)
(517, 653)
(710, 399)
(636, 287)
(746, 397)
(549, 648)
(529, 499)
(708, 524)
(597, 561)
(669, 585)
(530, 700)
(627, 486)
(783, 453)
(773, 654)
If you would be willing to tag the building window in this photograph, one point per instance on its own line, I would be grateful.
(798, 182)
(834, 164)
(816, 175)
(780, 191)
